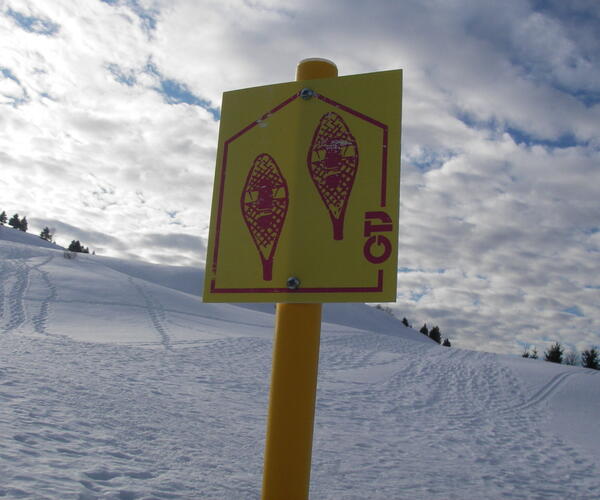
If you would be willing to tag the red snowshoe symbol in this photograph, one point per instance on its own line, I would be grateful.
(264, 205)
(332, 163)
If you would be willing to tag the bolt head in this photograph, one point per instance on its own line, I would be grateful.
(307, 93)
(293, 283)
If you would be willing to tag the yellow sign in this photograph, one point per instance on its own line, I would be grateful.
(306, 193)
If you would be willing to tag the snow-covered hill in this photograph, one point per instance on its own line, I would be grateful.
(116, 381)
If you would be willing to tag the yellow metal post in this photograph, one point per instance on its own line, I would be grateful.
(288, 447)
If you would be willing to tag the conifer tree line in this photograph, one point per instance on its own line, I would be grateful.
(589, 358)
(434, 334)
(76, 246)
(22, 225)
(14, 221)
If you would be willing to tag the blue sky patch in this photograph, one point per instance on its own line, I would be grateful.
(574, 310)
(175, 92)
(34, 24)
(407, 270)
(470, 121)
(587, 98)
(520, 136)
(121, 75)
(416, 296)
(428, 159)
(7, 73)
(418, 270)
(15, 101)
(147, 16)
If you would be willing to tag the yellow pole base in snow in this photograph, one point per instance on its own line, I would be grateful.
(288, 447)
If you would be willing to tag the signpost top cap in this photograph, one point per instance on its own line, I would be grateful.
(315, 67)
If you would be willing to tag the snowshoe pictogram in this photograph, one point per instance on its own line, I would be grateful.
(332, 163)
(264, 205)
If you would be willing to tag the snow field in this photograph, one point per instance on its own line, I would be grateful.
(116, 384)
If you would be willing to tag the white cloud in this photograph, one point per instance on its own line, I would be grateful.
(499, 225)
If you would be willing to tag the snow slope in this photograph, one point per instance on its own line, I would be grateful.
(116, 382)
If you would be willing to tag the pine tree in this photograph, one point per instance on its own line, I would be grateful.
(435, 334)
(405, 322)
(590, 359)
(534, 354)
(15, 221)
(3, 218)
(525, 353)
(447, 343)
(24, 225)
(75, 246)
(45, 234)
(424, 330)
(555, 353)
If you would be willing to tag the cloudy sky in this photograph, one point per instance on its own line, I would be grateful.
(109, 115)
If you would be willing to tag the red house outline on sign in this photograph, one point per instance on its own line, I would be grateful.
(382, 202)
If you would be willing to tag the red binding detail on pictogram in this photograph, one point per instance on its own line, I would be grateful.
(264, 204)
(332, 163)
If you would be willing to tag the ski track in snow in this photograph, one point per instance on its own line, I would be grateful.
(16, 297)
(543, 393)
(156, 313)
(3, 277)
(163, 309)
(436, 418)
(16, 306)
(39, 320)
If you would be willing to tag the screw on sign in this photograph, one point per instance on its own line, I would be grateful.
(264, 206)
(332, 163)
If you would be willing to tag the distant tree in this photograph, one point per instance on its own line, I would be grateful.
(424, 330)
(447, 343)
(385, 309)
(3, 218)
(45, 234)
(555, 353)
(434, 334)
(76, 246)
(15, 221)
(525, 353)
(571, 358)
(590, 359)
(534, 354)
(405, 322)
(24, 225)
